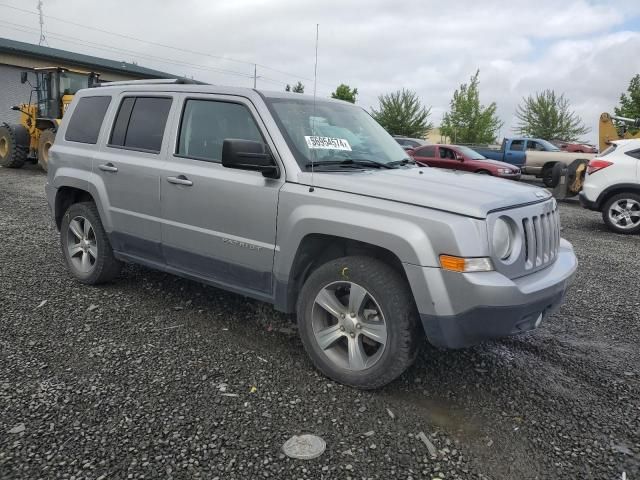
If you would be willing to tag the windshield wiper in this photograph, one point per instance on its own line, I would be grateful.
(352, 162)
(403, 161)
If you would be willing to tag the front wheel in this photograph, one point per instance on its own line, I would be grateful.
(358, 322)
(45, 142)
(621, 213)
(547, 177)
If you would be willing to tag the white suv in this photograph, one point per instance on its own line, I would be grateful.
(612, 186)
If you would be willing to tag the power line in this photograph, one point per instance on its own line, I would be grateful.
(149, 42)
(78, 41)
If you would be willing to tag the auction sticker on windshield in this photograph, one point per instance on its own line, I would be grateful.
(327, 143)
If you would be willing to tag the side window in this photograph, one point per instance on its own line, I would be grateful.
(428, 152)
(634, 154)
(517, 145)
(140, 123)
(86, 120)
(446, 153)
(206, 124)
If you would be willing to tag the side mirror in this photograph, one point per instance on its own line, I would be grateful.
(459, 157)
(23, 77)
(249, 155)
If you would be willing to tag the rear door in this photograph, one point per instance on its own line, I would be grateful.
(426, 155)
(514, 152)
(128, 168)
(218, 223)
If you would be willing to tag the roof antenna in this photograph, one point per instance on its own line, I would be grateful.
(42, 37)
(313, 123)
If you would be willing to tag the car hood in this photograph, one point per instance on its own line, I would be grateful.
(496, 163)
(463, 193)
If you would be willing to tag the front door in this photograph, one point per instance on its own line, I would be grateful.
(218, 223)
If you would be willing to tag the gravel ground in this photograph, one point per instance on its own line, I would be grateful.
(158, 377)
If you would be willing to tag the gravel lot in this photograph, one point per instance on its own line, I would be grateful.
(132, 380)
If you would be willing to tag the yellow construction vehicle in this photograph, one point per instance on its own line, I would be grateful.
(31, 139)
(617, 128)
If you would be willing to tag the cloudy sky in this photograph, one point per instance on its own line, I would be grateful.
(587, 49)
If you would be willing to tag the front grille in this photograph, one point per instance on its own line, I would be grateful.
(541, 239)
(537, 238)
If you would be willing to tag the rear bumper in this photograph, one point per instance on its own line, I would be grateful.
(586, 203)
(464, 309)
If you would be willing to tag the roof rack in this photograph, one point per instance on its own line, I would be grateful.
(156, 81)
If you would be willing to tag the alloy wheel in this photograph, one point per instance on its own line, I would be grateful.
(349, 326)
(82, 245)
(625, 213)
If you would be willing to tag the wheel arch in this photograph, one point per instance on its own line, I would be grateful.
(67, 196)
(316, 249)
(609, 192)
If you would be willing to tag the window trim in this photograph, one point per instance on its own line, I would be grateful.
(218, 100)
(104, 117)
(115, 119)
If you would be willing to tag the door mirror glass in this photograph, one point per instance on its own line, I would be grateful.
(249, 155)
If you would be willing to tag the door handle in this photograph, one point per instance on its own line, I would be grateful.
(180, 180)
(108, 167)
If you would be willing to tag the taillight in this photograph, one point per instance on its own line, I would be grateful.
(596, 164)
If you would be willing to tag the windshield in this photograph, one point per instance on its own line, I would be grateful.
(71, 82)
(548, 146)
(472, 154)
(331, 132)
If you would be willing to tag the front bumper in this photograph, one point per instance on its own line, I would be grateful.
(463, 309)
(509, 176)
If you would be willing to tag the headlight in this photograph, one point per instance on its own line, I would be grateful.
(502, 238)
(504, 171)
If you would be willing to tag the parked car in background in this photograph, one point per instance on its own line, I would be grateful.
(533, 156)
(612, 186)
(409, 143)
(455, 157)
(575, 147)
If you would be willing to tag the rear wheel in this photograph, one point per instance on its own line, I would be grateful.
(85, 245)
(45, 142)
(358, 322)
(621, 213)
(14, 145)
(547, 176)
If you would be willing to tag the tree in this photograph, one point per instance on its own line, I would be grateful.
(630, 104)
(468, 121)
(343, 92)
(297, 88)
(402, 113)
(547, 115)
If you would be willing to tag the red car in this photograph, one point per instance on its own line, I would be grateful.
(576, 147)
(455, 157)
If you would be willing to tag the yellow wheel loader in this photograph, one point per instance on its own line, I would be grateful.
(617, 128)
(31, 139)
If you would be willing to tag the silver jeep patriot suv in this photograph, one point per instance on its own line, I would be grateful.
(309, 205)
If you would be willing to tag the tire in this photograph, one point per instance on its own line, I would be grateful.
(620, 205)
(547, 176)
(386, 312)
(14, 145)
(47, 137)
(556, 174)
(101, 265)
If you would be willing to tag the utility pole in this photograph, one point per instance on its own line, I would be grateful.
(42, 37)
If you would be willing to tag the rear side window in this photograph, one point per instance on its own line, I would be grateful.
(426, 152)
(206, 124)
(517, 145)
(634, 153)
(86, 120)
(140, 123)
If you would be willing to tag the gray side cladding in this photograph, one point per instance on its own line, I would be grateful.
(12, 93)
